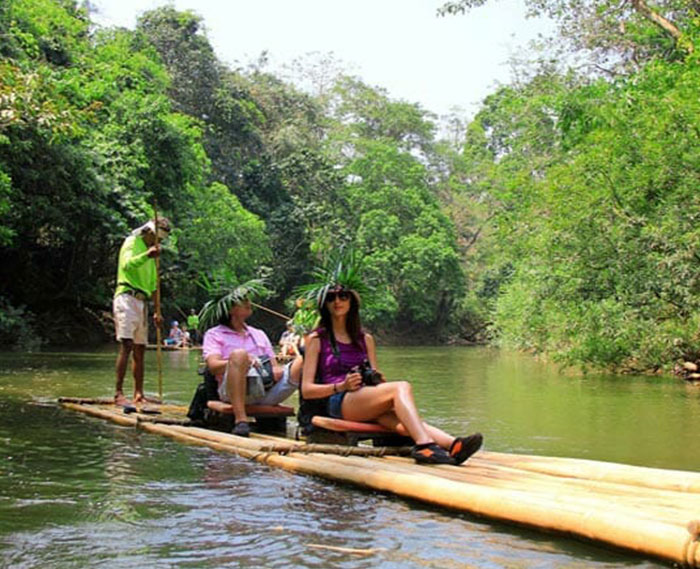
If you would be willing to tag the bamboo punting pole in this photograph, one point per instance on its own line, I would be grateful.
(159, 338)
(676, 542)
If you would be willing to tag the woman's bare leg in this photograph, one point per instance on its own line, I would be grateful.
(391, 421)
(370, 403)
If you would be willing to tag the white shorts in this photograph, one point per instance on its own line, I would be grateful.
(130, 318)
(273, 396)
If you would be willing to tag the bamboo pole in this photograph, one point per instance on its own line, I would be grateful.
(278, 314)
(678, 480)
(120, 419)
(286, 447)
(159, 339)
(89, 400)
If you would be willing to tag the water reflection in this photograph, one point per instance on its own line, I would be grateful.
(76, 491)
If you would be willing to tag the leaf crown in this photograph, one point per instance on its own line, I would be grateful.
(224, 294)
(342, 269)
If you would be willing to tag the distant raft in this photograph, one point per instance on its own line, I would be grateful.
(653, 512)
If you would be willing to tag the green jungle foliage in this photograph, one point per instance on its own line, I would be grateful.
(591, 184)
(561, 219)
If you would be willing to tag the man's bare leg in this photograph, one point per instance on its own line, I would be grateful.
(125, 348)
(138, 371)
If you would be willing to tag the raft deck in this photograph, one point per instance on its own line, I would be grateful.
(650, 511)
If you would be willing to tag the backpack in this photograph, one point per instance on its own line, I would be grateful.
(207, 390)
(308, 408)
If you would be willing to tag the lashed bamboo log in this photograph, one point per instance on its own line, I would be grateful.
(603, 471)
(124, 420)
(285, 447)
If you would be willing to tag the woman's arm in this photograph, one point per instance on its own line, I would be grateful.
(372, 353)
(371, 350)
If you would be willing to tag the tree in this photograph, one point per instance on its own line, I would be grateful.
(614, 32)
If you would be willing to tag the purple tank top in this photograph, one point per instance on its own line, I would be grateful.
(332, 368)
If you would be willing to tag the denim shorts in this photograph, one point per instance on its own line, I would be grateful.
(335, 404)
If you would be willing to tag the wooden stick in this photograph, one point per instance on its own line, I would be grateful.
(279, 314)
(88, 400)
(351, 550)
(263, 445)
(159, 339)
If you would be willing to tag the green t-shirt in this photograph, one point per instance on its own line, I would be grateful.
(193, 321)
(136, 269)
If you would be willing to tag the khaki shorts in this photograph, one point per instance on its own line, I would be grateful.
(130, 318)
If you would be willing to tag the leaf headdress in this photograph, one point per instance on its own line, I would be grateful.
(223, 294)
(342, 269)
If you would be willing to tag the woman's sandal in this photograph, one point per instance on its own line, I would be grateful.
(430, 453)
(463, 447)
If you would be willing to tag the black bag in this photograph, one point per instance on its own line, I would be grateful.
(308, 408)
(199, 403)
(206, 391)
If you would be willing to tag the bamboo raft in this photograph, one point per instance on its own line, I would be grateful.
(650, 511)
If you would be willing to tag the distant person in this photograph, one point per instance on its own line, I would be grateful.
(338, 351)
(234, 351)
(136, 282)
(186, 337)
(193, 325)
(289, 341)
(174, 338)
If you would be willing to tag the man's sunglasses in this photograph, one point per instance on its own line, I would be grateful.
(342, 295)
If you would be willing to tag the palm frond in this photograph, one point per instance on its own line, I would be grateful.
(341, 268)
(224, 294)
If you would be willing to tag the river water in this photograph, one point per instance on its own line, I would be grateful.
(80, 492)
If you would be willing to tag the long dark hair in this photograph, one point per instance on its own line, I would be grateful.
(352, 322)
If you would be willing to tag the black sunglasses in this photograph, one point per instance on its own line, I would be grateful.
(342, 295)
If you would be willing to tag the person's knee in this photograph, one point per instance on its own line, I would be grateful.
(403, 388)
(239, 359)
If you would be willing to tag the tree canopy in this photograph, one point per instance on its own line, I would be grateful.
(561, 218)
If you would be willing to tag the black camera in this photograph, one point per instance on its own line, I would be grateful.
(369, 375)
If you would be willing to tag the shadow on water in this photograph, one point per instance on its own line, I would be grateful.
(76, 491)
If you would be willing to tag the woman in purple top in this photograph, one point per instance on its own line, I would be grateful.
(335, 352)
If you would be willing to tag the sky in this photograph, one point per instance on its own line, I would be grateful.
(441, 63)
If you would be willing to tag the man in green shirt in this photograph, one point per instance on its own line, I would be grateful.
(136, 282)
(193, 325)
